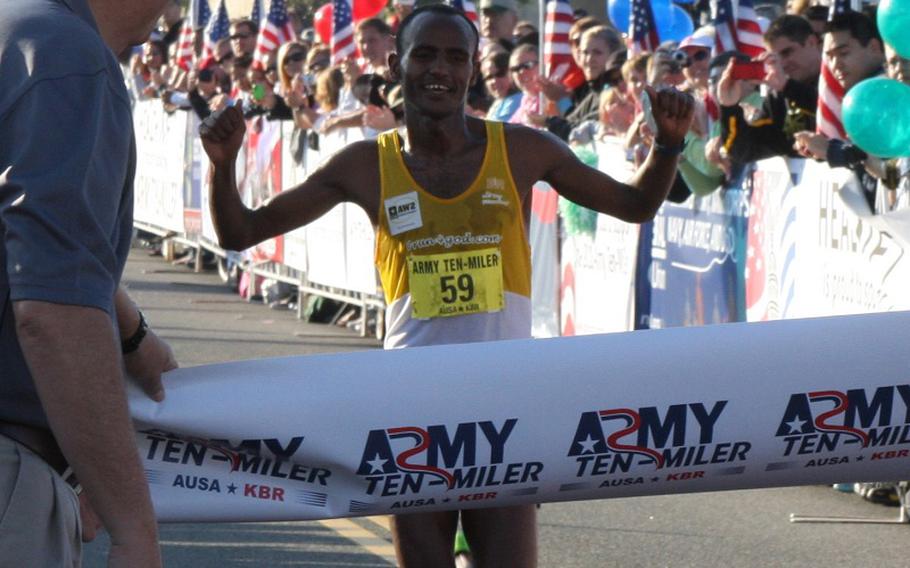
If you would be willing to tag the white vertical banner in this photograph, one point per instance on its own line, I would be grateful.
(160, 144)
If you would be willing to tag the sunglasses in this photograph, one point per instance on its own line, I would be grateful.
(296, 57)
(239, 36)
(227, 57)
(496, 75)
(697, 57)
(523, 66)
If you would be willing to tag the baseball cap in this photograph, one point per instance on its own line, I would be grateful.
(499, 4)
(702, 37)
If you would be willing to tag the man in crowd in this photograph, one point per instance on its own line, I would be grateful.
(853, 50)
(374, 39)
(498, 19)
(66, 329)
(792, 67)
(425, 180)
(243, 37)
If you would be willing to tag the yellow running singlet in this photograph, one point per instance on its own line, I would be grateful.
(453, 270)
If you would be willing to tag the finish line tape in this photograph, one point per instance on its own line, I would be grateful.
(712, 408)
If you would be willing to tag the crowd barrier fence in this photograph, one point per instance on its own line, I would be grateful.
(795, 239)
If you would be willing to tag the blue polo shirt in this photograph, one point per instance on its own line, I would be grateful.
(67, 159)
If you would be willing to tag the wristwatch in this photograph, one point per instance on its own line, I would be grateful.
(669, 150)
(131, 344)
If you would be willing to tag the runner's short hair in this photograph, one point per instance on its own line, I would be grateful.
(441, 9)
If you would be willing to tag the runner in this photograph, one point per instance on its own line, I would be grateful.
(449, 203)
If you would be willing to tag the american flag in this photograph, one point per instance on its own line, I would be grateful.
(275, 30)
(830, 91)
(217, 30)
(256, 12)
(342, 31)
(644, 36)
(557, 53)
(197, 18)
(736, 29)
(467, 7)
(748, 32)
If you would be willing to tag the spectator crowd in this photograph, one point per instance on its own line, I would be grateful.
(749, 108)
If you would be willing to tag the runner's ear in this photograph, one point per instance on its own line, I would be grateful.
(394, 67)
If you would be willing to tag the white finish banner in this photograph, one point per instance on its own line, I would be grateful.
(490, 424)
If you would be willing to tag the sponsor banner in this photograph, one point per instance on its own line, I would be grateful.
(599, 278)
(598, 268)
(543, 237)
(601, 416)
(160, 167)
(293, 172)
(697, 252)
(262, 179)
(193, 174)
(859, 264)
(772, 244)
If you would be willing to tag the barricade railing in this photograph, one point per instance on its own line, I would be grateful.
(794, 239)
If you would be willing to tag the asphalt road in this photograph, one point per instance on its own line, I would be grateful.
(206, 323)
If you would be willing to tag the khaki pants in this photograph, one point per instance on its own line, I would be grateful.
(39, 512)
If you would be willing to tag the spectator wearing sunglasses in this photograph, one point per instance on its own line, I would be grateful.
(243, 36)
(498, 82)
(696, 52)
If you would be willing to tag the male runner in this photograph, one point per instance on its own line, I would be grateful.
(449, 203)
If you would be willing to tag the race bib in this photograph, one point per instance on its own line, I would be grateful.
(456, 283)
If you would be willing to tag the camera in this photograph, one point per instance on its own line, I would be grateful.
(680, 57)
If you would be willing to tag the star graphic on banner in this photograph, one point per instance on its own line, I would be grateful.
(378, 464)
(232, 488)
(587, 445)
(859, 459)
(655, 479)
(796, 426)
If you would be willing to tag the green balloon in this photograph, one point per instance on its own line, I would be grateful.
(877, 117)
(894, 25)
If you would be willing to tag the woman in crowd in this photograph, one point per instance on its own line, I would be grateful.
(599, 45)
(506, 96)
(291, 61)
(523, 66)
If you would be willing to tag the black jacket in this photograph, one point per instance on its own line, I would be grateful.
(782, 115)
(586, 108)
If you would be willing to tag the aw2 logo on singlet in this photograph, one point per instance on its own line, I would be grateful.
(408, 459)
(618, 439)
(831, 420)
(403, 213)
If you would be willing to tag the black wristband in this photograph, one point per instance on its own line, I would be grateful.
(669, 150)
(131, 344)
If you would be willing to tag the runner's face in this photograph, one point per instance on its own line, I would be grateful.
(438, 64)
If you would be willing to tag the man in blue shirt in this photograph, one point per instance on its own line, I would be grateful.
(67, 331)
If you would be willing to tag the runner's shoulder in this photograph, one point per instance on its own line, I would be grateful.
(529, 146)
(358, 156)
